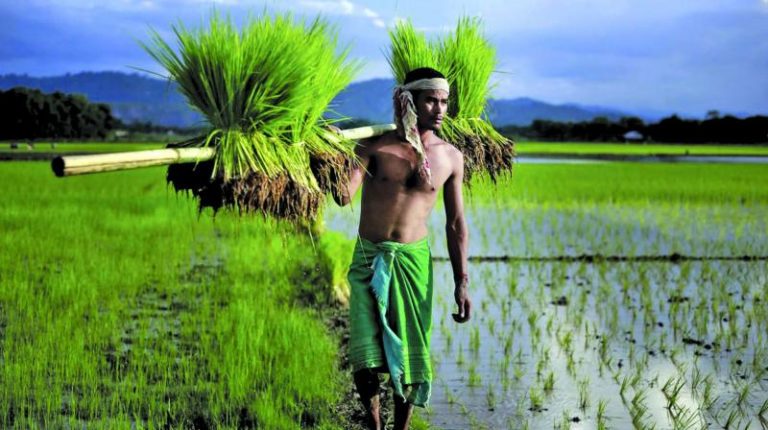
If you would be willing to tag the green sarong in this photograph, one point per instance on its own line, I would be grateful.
(391, 314)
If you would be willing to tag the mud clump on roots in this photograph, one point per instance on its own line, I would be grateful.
(331, 171)
(280, 196)
(484, 154)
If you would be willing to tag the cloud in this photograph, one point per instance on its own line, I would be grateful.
(345, 8)
(336, 7)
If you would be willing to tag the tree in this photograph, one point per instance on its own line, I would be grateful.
(30, 114)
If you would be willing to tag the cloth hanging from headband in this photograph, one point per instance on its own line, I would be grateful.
(406, 119)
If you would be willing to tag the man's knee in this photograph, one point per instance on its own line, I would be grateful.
(366, 376)
(367, 382)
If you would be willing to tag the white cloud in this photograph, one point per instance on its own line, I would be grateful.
(346, 8)
(337, 7)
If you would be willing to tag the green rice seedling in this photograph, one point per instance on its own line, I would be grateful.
(623, 387)
(467, 60)
(474, 341)
(450, 398)
(742, 394)
(602, 405)
(583, 394)
(475, 423)
(570, 365)
(490, 397)
(732, 420)
(447, 337)
(550, 322)
(549, 382)
(541, 364)
(707, 400)
(638, 410)
(263, 90)
(696, 377)
(491, 326)
(566, 342)
(671, 390)
(532, 318)
(537, 400)
(518, 371)
(460, 357)
(763, 411)
(508, 342)
(604, 357)
(504, 376)
(474, 379)
(686, 419)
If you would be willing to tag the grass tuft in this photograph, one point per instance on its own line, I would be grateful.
(263, 88)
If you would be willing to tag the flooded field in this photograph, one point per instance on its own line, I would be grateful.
(607, 296)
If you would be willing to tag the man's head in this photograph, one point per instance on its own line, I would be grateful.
(431, 104)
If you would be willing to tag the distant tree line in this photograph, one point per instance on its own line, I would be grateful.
(713, 129)
(27, 113)
(151, 128)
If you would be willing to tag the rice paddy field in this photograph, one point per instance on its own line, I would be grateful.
(122, 308)
(607, 295)
(637, 149)
(79, 147)
(522, 147)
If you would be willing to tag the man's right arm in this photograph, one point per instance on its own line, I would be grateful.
(356, 176)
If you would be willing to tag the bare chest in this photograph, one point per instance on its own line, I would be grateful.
(398, 169)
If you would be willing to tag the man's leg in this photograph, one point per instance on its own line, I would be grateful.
(403, 413)
(367, 383)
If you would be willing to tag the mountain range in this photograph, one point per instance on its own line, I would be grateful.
(135, 97)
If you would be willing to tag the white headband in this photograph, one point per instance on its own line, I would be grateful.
(428, 84)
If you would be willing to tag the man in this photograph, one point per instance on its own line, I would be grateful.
(391, 273)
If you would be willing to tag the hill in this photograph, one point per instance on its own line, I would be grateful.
(136, 97)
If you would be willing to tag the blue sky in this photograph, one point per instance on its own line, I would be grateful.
(658, 56)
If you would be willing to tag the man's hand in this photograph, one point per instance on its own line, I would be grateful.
(461, 294)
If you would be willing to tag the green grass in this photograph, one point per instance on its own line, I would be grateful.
(624, 183)
(593, 148)
(121, 307)
(95, 147)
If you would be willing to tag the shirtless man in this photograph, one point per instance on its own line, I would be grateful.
(400, 186)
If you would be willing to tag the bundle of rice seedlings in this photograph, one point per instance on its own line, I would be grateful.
(467, 60)
(263, 89)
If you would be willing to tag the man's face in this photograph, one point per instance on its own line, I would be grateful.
(431, 106)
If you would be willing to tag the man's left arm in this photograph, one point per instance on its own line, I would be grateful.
(456, 235)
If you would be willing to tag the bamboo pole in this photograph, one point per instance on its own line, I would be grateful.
(81, 164)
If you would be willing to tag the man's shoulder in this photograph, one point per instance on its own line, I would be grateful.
(450, 150)
(376, 143)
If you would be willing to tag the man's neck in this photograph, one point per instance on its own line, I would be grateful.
(426, 136)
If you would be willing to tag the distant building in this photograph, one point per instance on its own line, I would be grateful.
(633, 136)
